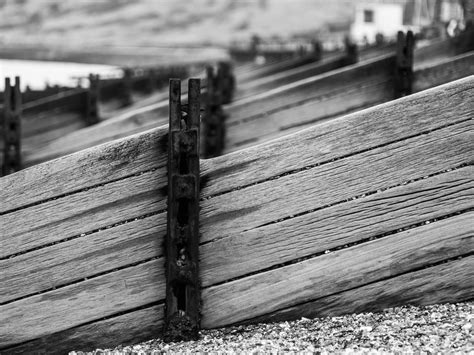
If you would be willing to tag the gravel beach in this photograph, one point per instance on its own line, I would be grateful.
(436, 329)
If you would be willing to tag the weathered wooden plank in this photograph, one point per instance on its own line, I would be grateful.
(309, 88)
(130, 328)
(445, 283)
(46, 121)
(353, 96)
(320, 186)
(359, 131)
(130, 123)
(75, 259)
(83, 302)
(274, 68)
(432, 53)
(97, 165)
(31, 144)
(256, 249)
(444, 72)
(285, 77)
(337, 271)
(83, 212)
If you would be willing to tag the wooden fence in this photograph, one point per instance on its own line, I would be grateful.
(368, 211)
(156, 114)
(48, 118)
(303, 103)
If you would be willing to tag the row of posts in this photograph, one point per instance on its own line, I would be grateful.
(220, 88)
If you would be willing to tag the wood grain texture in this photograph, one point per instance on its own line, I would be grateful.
(127, 329)
(97, 165)
(83, 302)
(356, 132)
(83, 212)
(317, 187)
(445, 283)
(354, 221)
(448, 70)
(337, 271)
(309, 88)
(75, 259)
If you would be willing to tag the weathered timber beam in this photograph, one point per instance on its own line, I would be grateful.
(182, 311)
(11, 129)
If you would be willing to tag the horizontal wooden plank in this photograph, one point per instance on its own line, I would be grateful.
(47, 121)
(432, 52)
(131, 122)
(264, 247)
(31, 145)
(306, 89)
(75, 259)
(83, 302)
(359, 131)
(83, 212)
(337, 271)
(320, 186)
(445, 283)
(97, 165)
(274, 68)
(285, 77)
(127, 329)
(448, 70)
(359, 94)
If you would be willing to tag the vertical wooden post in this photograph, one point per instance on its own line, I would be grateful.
(213, 121)
(151, 80)
(92, 103)
(226, 82)
(11, 127)
(352, 53)
(317, 50)
(126, 88)
(182, 314)
(404, 64)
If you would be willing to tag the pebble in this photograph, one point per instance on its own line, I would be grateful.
(436, 329)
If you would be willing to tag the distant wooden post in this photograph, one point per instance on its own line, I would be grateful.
(92, 104)
(352, 53)
(404, 64)
(465, 42)
(213, 121)
(151, 81)
(182, 320)
(226, 82)
(11, 127)
(126, 88)
(317, 49)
